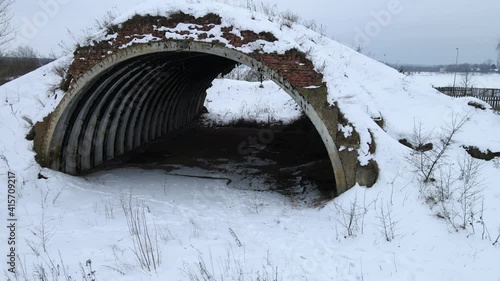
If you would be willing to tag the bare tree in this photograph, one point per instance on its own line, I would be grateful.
(467, 83)
(6, 29)
(24, 52)
(18, 62)
(498, 58)
(6, 34)
(429, 157)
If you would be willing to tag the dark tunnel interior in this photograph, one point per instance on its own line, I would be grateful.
(133, 103)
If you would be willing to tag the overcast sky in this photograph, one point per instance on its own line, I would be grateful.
(397, 31)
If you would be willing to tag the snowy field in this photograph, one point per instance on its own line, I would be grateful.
(134, 224)
(227, 102)
(477, 80)
(233, 234)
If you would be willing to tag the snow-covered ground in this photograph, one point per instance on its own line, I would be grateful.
(203, 229)
(227, 102)
(477, 80)
(230, 230)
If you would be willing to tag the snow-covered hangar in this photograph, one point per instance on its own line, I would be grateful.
(146, 75)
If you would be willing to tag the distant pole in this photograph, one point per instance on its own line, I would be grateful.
(456, 69)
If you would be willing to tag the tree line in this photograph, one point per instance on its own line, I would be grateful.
(486, 67)
(19, 61)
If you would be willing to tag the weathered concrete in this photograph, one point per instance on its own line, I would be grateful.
(120, 99)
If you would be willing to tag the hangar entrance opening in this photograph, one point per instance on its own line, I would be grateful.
(147, 111)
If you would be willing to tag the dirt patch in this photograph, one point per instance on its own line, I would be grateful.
(478, 154)
(477, 105)
(406, 143)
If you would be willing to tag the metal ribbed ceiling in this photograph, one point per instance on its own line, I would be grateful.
(134, 103)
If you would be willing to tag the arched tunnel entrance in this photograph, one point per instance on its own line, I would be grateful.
(127, 113)
(141, 93)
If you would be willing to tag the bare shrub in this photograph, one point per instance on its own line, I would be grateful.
(88, 274)
(310, 24)
(349, 217)
(106, 208)
(289, 18)
(236, 238)
(145, 240)
(44, 231)
(120, 262)
(105, 23)
(109, 210)
(195, 230)
(426, 161)
(271, 11)
(457, 196)
(49, 269)
(387, 223)
(56, 196)
(255, 205)
(321, 68)
(485, 233)
(166, 235)
(230, 268)
(61, 70)
(497, 240)
(445, 183)
(469, 190)
(322, 31)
